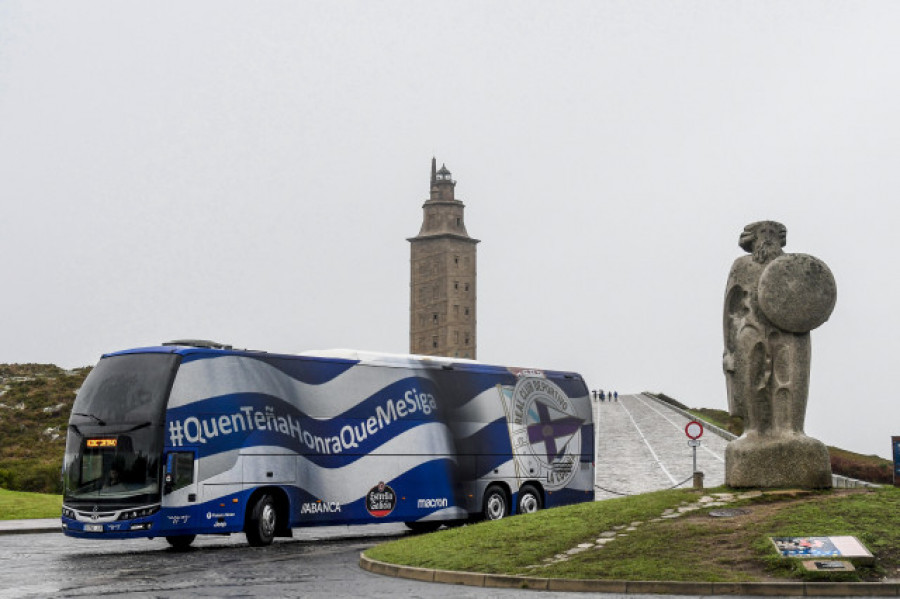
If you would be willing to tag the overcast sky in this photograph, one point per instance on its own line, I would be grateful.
(249, 173)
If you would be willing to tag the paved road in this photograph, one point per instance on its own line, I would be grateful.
(317, 565)
(641, 447)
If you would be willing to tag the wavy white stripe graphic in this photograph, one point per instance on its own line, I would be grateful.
(202, 379)
(467, 429)
(351, 482)
(446, 514)
(484, 407)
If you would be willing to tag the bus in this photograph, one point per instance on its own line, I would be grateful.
(195, 437)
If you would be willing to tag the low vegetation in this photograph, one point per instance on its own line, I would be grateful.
(35, 401)
(862, 467)
(695, 546)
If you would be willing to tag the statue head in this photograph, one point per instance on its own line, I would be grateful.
(763, 240)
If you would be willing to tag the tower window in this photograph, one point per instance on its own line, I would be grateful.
(434, 341)
(458, 222)
(467, 286)
(467, 340)
(467, 311)
(456, 285)
(434, 318)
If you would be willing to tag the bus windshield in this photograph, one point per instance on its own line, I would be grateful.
(115, 436)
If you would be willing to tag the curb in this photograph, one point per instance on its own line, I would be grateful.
(25, 527)
(764, 589)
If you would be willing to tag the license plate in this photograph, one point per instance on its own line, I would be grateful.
(93, 528)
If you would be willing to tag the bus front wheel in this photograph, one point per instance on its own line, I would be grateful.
(496, 503)
(181, 542)
(261, 522)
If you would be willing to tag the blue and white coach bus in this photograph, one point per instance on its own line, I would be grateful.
(196, 438)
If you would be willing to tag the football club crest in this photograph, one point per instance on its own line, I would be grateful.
(545, 431)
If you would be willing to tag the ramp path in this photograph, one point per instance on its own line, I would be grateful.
(642, 447)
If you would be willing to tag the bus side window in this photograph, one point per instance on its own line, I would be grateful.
(179, 470)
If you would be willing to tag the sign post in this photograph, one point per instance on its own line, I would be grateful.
(694, 430)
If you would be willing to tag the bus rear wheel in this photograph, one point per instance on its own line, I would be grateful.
(262, 522)
(181, 542)
(496, 503)
(529, 500)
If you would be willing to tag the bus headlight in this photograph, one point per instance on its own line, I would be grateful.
(141, 513)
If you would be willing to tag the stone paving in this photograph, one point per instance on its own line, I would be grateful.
(642, 447)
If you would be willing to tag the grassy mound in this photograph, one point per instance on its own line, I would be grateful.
(565, 542)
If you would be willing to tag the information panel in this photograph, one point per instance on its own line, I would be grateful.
(817, 547)
(895, 442)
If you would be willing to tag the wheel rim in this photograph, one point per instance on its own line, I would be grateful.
(267, 521)
(496, 508)
(528, 504)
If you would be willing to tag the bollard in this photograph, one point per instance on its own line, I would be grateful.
(698, 480)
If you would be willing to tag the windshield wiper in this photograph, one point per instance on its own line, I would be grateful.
(99, 420)
(138, 426)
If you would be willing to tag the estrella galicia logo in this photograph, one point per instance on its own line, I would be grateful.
(381, 500)
(546, 431)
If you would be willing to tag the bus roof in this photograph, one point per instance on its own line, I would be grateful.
(185, 348)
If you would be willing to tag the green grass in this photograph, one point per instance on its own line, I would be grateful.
(18, 505)
(694, 547)
(509, 546)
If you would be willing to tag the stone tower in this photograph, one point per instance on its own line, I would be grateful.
(442, 276)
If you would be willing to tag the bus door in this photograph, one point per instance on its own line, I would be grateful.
(180, 478)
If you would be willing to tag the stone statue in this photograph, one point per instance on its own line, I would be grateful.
(772, 301)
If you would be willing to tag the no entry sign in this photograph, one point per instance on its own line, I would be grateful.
(693, 429)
